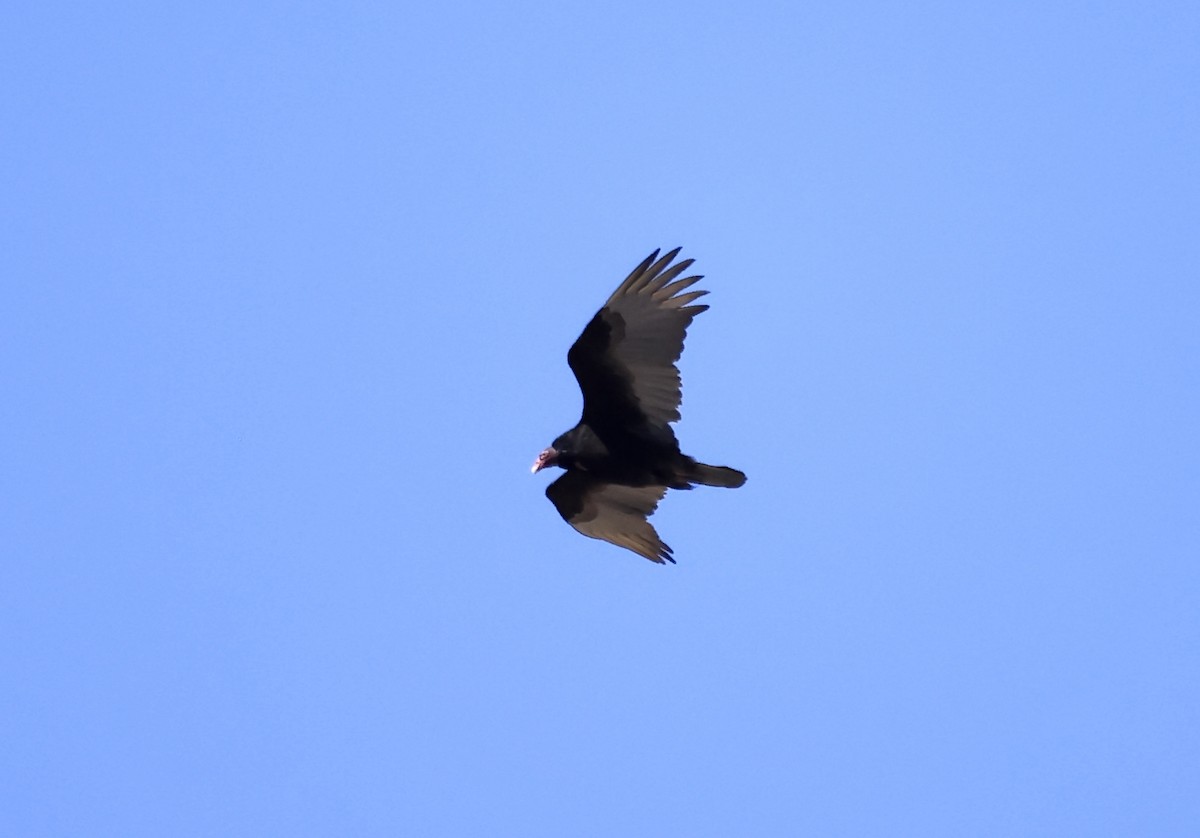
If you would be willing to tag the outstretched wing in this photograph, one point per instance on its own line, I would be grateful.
(611, 512)
(625, 358)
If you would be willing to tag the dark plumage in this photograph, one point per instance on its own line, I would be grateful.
(623, 456)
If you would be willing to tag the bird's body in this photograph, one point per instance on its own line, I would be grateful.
(623, 455)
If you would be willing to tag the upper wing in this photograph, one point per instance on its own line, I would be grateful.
(611, 512)
(625, 358)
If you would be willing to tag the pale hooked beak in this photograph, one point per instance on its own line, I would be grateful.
(546, 458)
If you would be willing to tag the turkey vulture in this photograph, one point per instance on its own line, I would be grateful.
(623, 456)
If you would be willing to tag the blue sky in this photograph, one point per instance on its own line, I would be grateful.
(287, 295)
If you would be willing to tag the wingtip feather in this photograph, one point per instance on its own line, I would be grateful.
(668, 291)
(635, 275)
(683, 299)
(652, 272)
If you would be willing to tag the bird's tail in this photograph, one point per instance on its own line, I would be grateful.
(723, 476)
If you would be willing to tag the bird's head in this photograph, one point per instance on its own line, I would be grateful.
(549, 457)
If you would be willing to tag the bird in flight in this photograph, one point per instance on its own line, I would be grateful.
(623, 456)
